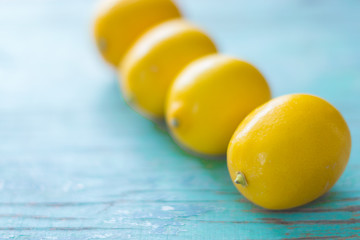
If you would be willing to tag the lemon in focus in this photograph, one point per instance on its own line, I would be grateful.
(119, 23)
(153, 62)
(289, 151)
(209, 99)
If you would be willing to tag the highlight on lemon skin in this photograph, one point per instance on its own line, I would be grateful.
(151, 65)
(289, 151)
(209, 99)
(119, 23)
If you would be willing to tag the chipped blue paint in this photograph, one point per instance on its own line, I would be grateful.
(77, 163)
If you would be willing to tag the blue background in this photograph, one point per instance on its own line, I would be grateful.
(77, 163)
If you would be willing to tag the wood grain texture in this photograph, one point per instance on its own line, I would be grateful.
(77, 163)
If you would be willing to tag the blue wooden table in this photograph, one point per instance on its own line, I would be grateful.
(77, 163)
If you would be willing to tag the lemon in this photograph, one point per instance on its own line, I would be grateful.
(209, 99)
(153, 62)
(289, 151)
(119, 23)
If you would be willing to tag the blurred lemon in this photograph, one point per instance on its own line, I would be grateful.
(153, 62)
(289, 151)
(119, 23)
(209, 99)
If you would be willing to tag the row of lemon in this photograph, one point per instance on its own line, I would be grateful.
(287, 152)
(151, 44)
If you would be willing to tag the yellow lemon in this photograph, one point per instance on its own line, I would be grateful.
(209, 99)
(153, 62)
(119, 23)
(289, 151)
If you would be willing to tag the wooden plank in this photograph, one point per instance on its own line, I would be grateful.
(77, 163)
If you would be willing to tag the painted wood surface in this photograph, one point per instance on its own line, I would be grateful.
(77, 163)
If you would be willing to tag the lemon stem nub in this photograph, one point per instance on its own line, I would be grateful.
(102, 44)
(175, 123)
(240, 179)
(130, 99)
